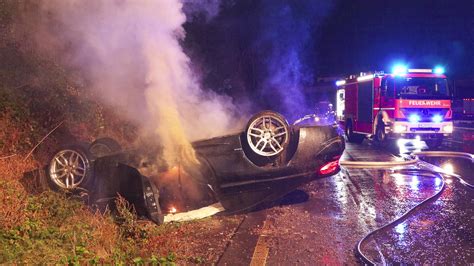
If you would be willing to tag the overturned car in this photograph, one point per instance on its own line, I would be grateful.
(265, 161)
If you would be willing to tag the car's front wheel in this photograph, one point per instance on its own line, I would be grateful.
(104, 146)
(267, 134)
(70, 168)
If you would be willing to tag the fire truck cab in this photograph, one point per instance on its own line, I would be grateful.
(407, 103)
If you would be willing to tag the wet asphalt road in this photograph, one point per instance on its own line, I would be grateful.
(322, 222)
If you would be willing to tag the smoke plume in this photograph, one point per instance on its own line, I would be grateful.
(130, 52)
(265, 50)
(288, 34)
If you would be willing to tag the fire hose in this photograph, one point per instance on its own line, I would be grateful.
(369, 164)
(427, 168)
(408, 160)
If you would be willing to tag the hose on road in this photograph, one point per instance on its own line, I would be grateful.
(370, 164)
(428, 169)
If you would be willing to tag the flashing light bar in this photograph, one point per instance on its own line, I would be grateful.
(340, 82)
(365, 78)
(420, 70)
(399, 70)
(379, 73)
(439, 70)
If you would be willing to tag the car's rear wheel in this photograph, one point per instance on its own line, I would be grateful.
(70, 168)
(267, 134)
(104, 146)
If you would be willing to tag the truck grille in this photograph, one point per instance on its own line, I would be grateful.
(426, 114)
(415, 129)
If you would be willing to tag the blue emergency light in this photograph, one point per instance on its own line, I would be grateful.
(438, 70)
(399, 69)
(414, 118)
(437, 118)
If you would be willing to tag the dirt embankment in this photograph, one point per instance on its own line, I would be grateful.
(41, 226)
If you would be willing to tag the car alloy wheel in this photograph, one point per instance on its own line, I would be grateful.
(268, 134)
(68, 169)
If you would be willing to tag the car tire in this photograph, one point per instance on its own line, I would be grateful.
(380, 135)
(70, 168)
(104, 146)
(267, 134)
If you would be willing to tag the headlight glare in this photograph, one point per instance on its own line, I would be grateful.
(399, 128)
(448, 129)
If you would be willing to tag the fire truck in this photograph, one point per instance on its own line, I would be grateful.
(404, 104)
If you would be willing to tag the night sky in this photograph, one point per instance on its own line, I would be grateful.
(250, 42)
(372, 34)
(273, 51)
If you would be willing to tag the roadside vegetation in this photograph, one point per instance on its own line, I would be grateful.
(39, 226)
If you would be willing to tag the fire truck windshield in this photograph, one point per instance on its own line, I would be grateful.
(417, 87)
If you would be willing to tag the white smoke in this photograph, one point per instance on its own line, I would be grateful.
(131, 53)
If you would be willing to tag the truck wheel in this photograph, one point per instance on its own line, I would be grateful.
(267, 134)
(349, 131)
(381, 136)
(351, 136)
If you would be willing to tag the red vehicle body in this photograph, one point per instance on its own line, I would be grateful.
(415, 104)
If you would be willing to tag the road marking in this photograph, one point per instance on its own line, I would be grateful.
(260, 253)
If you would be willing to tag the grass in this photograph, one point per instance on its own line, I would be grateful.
(47, 227)
(44, 227)
(39, 226)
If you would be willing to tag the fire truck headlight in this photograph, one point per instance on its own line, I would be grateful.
(448, 129)
(437, 118)
(414, 118)
(399, 128)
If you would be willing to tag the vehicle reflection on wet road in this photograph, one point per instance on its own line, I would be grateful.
(342, 209)
(441, 232)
